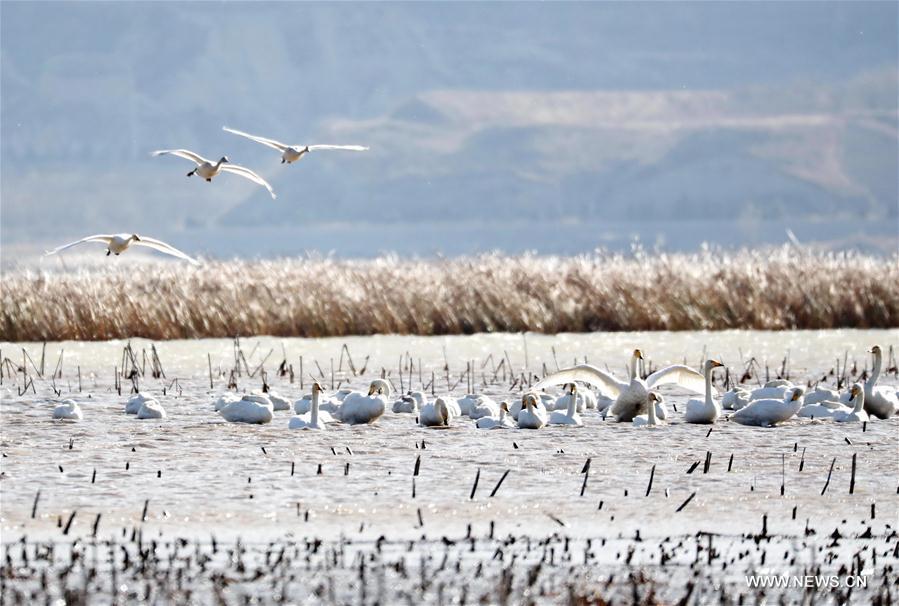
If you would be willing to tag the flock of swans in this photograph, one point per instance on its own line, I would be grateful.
(634, 401)
(206, 169)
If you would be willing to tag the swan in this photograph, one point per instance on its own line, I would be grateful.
(767, 393)
(708, 410)
(223, 400)
(540, 405)
(503, 422)
(208, 169)
(132, 406)
(151, 409)
(822, 410)
(586, 399)
(116, 244)
(631, 396)
(821, 394)
(531, 417)
(735, 399)
(570, 416)
(311, 420)
(249, 409)
(412, 402)
(293, 153)
(857, 414)
(68, 410)
(483, 407)
(882, 402)
(769, 411)
(466, 402)
(325, 405)
(436, 414)
(650, 419)
(278, 403)
(359, 408)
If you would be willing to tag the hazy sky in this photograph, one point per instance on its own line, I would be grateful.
(532, 114)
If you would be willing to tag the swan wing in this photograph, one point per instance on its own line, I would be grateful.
(248, 174)
(97, 238)
(268, 142)
(607, 384)
(182, 153)
(166, 248)
(357, 148)
(681, 375)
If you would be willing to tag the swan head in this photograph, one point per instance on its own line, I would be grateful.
(317, 387)
(572, 388)
(530, 400)
(710, 364)
(135, 237)
(654, 397)
(638, 354)
(797, 393)
(504, 406)
(224, 159)
(876, 350)
(853, 391)
(442, 411)
(379, 386)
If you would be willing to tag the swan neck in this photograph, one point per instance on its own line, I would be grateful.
(652, 412)
(572, 405)
(859, 401)
(708, 386)
(314, 419)
(875, 373)
(632, 370)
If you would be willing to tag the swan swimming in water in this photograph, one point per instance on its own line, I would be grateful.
(311, 420)
(857, 414)
(882, 402)
(483, 407)
(531, 417)
(151, 409)
(436, 414)
(410, 403)
(708, 410)
(735, 399)
(249, 409)
(540, 405)
(223, 400)
(293, 153)
(132, 406)
(769, 412)
(116, 244)
(632, 396)
(585, 399)
(650, 419)
(503, 422)
(819, 395)
(359, 408)
(68, 410)
(570, 416)
(207, 169)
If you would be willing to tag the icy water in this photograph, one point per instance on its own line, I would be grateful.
(193, 475)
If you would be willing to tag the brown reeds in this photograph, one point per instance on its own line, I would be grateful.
(775, 289)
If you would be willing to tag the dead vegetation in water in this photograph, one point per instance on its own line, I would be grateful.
(776, 289)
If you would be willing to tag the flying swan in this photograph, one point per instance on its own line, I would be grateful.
(116, 244)
(631, 396)
(209, 169)
(292, 153)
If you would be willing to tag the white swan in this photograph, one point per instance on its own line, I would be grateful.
(708, 410)
(225, 399)
(531, 417)
(116, 244)
(436, 414)
(292, 153)
(359, 408)
(208, 169)
(631, 396)
(570, 416)
(770, 392)
(857, 414)
(151, 409)
(769, 412)
(132, 406)
(821, 407)
(410, 403)
(312, 419)
(249, 409)
(466, 402)
(819, 395)
(68, 410)
(503, 422)
(882, 402)
(483, 407)
(735, 399)
(540, 405)
(584, 398)
(650, 419)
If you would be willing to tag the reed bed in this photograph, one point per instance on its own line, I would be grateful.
(784, 288)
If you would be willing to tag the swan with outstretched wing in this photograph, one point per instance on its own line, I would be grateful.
(207, 169)
(293, 153)
(116, 244)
